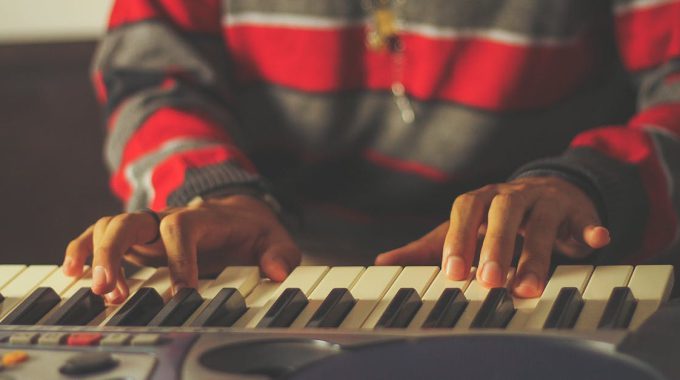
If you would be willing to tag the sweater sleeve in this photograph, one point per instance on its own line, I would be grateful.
(160, 73)
(633, 171)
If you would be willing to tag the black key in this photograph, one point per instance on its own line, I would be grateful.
(285, 309)
(33, 307)
(139, 309)
(565, 309)
(496, 310)
(178, 309)
(78, 310)
(401, 309)
(223, 310)
(447, 310)
(2, 298)
(619, 309)
(333, 309)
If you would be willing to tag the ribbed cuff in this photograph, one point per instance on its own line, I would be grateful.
(615, 188)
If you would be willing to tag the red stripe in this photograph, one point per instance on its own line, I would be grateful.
(168, 176)
(100, 87)
(666, 116)
(201, 16)
(410, 167)
(635, 147)
(475, 72)
(650, 36)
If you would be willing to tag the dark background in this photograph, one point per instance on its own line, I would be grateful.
(53, 181)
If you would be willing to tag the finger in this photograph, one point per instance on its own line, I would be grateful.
(180, 232)
(534, 263)
(77, 251)
(103, 281)
(277, 261)
(585, 233)
(121, 291)
(122, 232)
(424, 251)
(460, 245)
(505, 216)
(596, 236)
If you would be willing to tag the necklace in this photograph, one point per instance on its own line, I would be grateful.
(382, 35)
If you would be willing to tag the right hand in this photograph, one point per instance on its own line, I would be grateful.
(203, 238)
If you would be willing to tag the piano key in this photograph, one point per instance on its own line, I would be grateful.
(603, 280)
(178, 309)
(475, 294)
(22, 284)
(564, 276)
(447, 310)
(33, 307)
(60, 282)
(161, 282)
(223, 310)
(495, 311)
(303, 278)
(285, 309)
(564, 310)
(139, 309)
(333, 309)
(242, 278)
(134, 282)
(434, 293)
(78, 310)
(7, 274)
(256, 301)
(368, 290)
(418, 278)
(619, 309)
(651, 285)
(337, 277)
(401, 309)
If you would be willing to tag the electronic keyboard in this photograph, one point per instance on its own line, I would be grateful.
(336, 322)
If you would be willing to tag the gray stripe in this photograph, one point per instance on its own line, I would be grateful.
(653, 87)
(139, 173)
(198, 181)
(454, 139)
(668, 147)
(624, 6)
(537, 18)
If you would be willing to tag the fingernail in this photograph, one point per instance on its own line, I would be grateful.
(529, 281)
(67, 265)
(114, 296)
(491, 273)
(177, 287)
(99, 277)
(455, 267)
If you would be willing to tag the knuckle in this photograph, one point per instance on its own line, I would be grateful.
(508, 200)
(174, 224)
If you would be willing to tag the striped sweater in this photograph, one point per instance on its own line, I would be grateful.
(202, 95)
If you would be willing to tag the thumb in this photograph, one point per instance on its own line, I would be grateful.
(277, 261)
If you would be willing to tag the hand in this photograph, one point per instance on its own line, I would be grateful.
(236, 230)
(549, 212)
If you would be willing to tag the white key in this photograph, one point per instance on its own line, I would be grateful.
(651, 286)
(369, 289)
(440, 283)
(22, 285)
(304, 278)
(161, 282)
(256, 300)
(598, 290)
(242, 278)
(564, 276)
(7, 274)
(59, 282)
(337, 277)
(134, 282)
(418, 278)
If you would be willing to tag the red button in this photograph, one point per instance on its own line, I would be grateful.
(83, 339)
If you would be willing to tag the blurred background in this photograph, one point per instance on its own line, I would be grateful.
(53, 182)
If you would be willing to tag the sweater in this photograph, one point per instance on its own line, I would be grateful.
(285, 96)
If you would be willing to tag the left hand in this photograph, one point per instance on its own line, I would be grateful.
(549, 212)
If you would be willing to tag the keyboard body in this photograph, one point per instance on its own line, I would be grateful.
(246, 349)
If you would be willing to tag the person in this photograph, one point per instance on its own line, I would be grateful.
(476, 121)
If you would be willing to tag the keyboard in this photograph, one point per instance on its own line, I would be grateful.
(240, 324)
